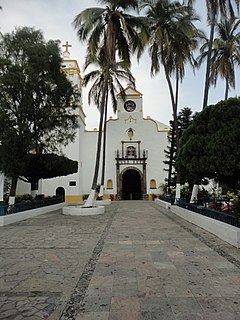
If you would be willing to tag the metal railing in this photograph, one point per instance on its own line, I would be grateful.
(23, 206)
(227, 217)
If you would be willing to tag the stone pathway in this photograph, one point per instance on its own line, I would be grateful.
(135, 262)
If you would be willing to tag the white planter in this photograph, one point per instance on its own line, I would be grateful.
(82, 211)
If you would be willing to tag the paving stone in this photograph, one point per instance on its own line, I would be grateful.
(93, 316)
(189, 316)
(146, 315)
(135, 262)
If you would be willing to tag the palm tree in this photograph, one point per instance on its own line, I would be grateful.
(111, 76)
(225, 53)
(214, 9)
(172, 40)
(111, 27)
(116, 32)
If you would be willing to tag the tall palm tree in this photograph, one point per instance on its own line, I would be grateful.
(225, 53)
(214, 9)
(111, 26)
(172, 41)
(100, 76)
(112, 29)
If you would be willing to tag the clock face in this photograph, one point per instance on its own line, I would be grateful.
(130, 106)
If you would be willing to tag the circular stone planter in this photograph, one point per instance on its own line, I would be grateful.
(81, 211)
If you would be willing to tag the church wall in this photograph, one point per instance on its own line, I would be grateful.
(151, 139)
(73, 192)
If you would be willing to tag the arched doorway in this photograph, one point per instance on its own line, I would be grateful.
(131, 185)
(60, 191)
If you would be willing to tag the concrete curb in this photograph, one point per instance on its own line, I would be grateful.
(220, 229)
(23, 215)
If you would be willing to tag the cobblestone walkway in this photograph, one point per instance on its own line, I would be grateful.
(135, 262)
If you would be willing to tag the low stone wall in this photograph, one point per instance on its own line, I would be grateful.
(23, 215)
(222, 230)
(164, 204)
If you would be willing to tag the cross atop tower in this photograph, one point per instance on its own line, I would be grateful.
(67, 45)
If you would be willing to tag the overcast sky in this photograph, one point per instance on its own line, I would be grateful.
(54, 18)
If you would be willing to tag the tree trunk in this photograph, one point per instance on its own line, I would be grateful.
(171, 161)
(194, 193)
(90, 200)
(226, 89)
(1, 186)
(13, 188)
(175, 111)
(207, 76)
(101, 192)
(12, 192)
(34, 188)
(174, 107)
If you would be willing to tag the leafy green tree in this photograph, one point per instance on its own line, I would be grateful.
(36, 100)
(116, 32)
(214, 9)
(210, 145)
(225, 53)
(46, 166)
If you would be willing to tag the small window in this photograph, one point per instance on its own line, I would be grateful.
(72, 183)
(109, 184)
(152, 184)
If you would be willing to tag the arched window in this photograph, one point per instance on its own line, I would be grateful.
(109, 184)
(152, 184)
(131, 151)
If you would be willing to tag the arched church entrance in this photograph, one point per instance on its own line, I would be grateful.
(131, 185)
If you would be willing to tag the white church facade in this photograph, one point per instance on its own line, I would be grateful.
(134, 151)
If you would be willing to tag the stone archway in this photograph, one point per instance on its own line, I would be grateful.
(131, 184)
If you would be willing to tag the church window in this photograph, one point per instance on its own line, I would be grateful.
(152, 184)
(109, 184)
(131, 151)
(72, 183)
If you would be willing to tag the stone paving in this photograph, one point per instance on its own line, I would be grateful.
(135, 262)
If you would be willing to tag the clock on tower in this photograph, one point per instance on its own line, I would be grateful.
(129, 106)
